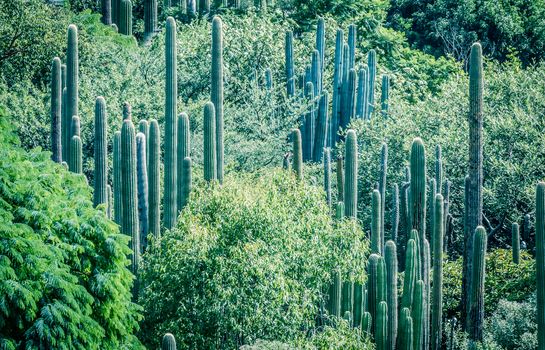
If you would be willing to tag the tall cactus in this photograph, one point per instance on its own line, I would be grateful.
(297, 153)
(142, 186)
(381, 329)
(320, 47)
(372, 287)
(327, 176)
(361, 103)
(337, 89)
(352, 38)
(347, 300)
(186, 185)
(394, 213)
(75, 161)
(335, 294)
(540, 263)
(210, 155)
(438, 169)
(65, 125)
(106, 10)
(340, 179)
(184, 148)
(115, 11)
(437, 297)
(390, 257)
(406, 330)
(344, 108)
(350, 97)
(168, 343)
(117, 181)
(125, 17)
(109, 208)
(427, 291)
(75, 126)
(351, 176)
(56, 110)
(372, 64)
(129, 193)
(72, 82)
(150, 18)
(171, 90)
(515, 242)
(154, 178)
(217, 90)
(100, 194)
(409, 281)
(376, 202)
(310, 123)
(418, 313)
(475, 319)
(417, 209)
(321, 128)
(382, 187)
(316, 72)
(385, 95)
(290, 70)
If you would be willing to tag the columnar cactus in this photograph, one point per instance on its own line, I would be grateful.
(339, 211)
(475, 169)
(351, 176)
(382, 187)
(184, 147)
(430, 203)
(475, 319)
(321, 128)
(337, 89)
(366, 322)
(426, 278)
(347, 301)
(150, 18)
(142, 186)
(106, 10)
(204, 7)
(117, 181)
(115, 11)
(418, 311)
(446, 210)
(526, 228)
(125, 17)
(515, 242)
(385, 95)
(290, 70)
(210, 155)
(72, 81)
(109, 208)
(129, 193)
(417, 215)
(327, 176)
(186, 185)
(381, 281)
(390, 257)
(56, 110)
(394, 213)
(127, 111)
(438, 169)
(320, 46)
(361, 103)
(75, 126)
(340, 179)
(297, 153)
(409, 281)
(310, 123)
(352, 38)
(217, 90)
(376, 203)
(316, 72)
(168, 343)
(344, 108)
(437, 298)
(65, 125)
(171, 90)
(75, 161)
(540, 264)
(381, 329)
(350, 97)
(404, 222)
(372, 287)
(154, 178)
(100, 194)
(358, 310)
(406, 328)
(335, 294)
(372, 64)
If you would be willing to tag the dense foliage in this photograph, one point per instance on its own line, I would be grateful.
(63, 276)
(248, 260)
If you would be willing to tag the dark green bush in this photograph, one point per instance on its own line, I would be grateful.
(248, 260)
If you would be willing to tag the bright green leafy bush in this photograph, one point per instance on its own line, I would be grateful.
(248, 260)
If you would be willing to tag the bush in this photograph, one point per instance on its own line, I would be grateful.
(63, 276)
(248, 260)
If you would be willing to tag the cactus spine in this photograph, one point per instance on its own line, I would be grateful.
(372, 64)
(72, 78)
(186, 185)
(321, 128)
(171, 90)
(150, 18)
(351, 176)
(290, 70)
(515, 240)
(540, 263)
(376, 246)
(417, 215)
(327, 176)
(217, 90)
(106, 7)
(56, 110)
(142, 186)
(184, 148)
(437, 298)
(117, 182)
(210, 163)
(475, 318)
(75, 161)
(385, 96)
(390, 257)
(337, 89)
(100, 194)
(154, 178)
(297, 153)
(125, 17)
(168, 343)
(382, 188)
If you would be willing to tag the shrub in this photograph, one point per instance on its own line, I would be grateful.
(63, 276)
(248, 260)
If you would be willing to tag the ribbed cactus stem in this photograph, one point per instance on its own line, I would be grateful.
(352, 38)
(340, 179)
(75, 161)
(385, 95)
(372, 64)
(125, 17)
(72, 81)
(350, 97)
(168, 343)
(290, 70)
(475, 319)
(339, 212)
(56, 110)
(210, 155)
(109, 208)
(381, 329)
(130, 225)
(320, 47)
(437, 296)
(417, 209)
(376, 203)
(409, 281)
(117, 181)
(390, 257)
(297, 153)
(170, 211)
(184, 148)
(344, 108)
(316, 72)
(394, 213)
(335, 294)
(100, 194)
(115, 11)
(418, 314)
(515, 242)
(337, 89)
(372, 285)
(106, 10)
(438, 169)
(366, 322)
(540, 263)
(427, 291)
(310, 123)
(186, 185)
(347, 301)
(361, 103)
(65, 126)
(358, 305)
(127, 111)
(351, 176)
(321, 127)
(327, 176)
(150, 18)
(382, 188)
(406, 328)
(142, 186)
(217, 91)
(75, 126)
(154, 178)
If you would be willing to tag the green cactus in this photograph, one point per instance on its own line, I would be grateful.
(115, 11)
(129, 193)
(376, 247)
(320, 47)
(366, 322)
(381, 328)
(446, 209)
(100, 194)
(210, 163)
(65, 125)
(290, 70)
(75, 161)
(372, 285)
(339, 212)
(351, 176)
(321, 128)
(526, 228)
(335, 294)
(327, 176)
(438, 169)
(143, 127)
(204, 7)
(406, 328)
(394, 213)
(350, 97)
(431, 203)
(184, 148)
(390, 257)
(316, 72)
(337, 89)
(409, 281)
(382, 188)
(186, 185)
(297, 153)
(372, 64)
(154, 178)
(310, 123)
(419, 266)
(150, 19)
(72, 83)
(142, 187)
(56, 110)
(75, 126)
(515, 242)
(475, 319)
(117, 181)
(125, 17)
(404, 226)
(340, 179)
(217, 91)
(352, 38)
(417, 194)
(127, 111)
(109, 208)
(344, 88)
(437, 299)
(540, 263)
(106, 11)
(385, 95)
(171, 90)
(347, 301)
(168, 343)
(426, 303)
(358, 304)
(381, 281)
(418, 311)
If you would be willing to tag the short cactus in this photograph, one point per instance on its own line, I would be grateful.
(385, 96)
(381, 328)
(168, 343)
(75, 161)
